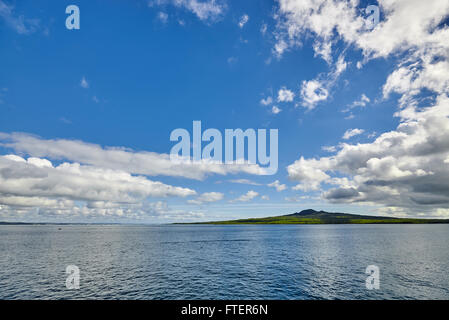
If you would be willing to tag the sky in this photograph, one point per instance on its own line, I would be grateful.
(86, 114)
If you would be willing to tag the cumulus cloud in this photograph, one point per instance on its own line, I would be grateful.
(207, 10)
(285, 95)
(312, 92)
(329, 148)
(280, 47)
(35, 183)
(266, 101)
(118, 158)
(403, 168)
(324, 50)
(352, 133)
(250, 195)
(309, 172)
(38, 177)
(275, 110)
(317, 90)
(278, 186)
(360, 103)
(207, 198)
(410, 79)
(413, 27)
(407, 24)
(64, 210)
(243, 20)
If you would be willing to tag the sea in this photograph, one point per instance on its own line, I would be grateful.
(293, 262)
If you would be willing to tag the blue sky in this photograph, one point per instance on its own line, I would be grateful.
(136, 70)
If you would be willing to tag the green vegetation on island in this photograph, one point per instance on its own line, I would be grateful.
(321, 217)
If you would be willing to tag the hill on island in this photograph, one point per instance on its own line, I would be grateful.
(311, 216)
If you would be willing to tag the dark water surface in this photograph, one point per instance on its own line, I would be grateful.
(225, 262)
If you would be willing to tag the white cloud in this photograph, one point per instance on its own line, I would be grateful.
(410, 79)
(359, 103)
(300, 198)
(317, 90)
(406, 24)
(372, 134)
(323, 49)
(279, 187)
(163, 17)
(275, 110)
(349, 117)
(309, 172)
(83, 83)
(267, 101)
(413, 27)
(207, 11)
(64, 210)
(207, 198)
(285, 95)
(313, 92)
(340, 66)
(243, 20)
(352, 133)
(37, 183)
(280, 47)
(329, 148)
(250, 195)
(245, 181)
(38, 177)
(403, 168)
(119, 158)
(19, 23)
(263, 29)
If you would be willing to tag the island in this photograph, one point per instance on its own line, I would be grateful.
(311, 216)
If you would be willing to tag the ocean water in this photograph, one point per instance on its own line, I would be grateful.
(225, 262)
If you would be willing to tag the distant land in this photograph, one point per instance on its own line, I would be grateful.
(308, 216)
(311, 216)
(16, 223)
